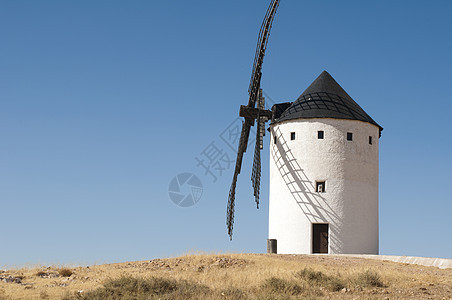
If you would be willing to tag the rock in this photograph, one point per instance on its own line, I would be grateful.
(200, 268)
(11, 279)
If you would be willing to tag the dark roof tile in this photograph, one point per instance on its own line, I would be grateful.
(325, 98)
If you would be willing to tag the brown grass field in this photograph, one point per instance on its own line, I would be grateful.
(232, 276)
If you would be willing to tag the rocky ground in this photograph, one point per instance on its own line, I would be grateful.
(235, 276)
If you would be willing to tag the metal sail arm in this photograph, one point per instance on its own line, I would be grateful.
(250, 114)
(264, 35)
(243, 143)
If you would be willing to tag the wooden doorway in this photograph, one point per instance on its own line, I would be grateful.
(320, 238)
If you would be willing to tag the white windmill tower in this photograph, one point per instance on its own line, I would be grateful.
(323, 166)
(323, 174)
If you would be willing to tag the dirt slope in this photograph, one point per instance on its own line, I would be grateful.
(235, 276)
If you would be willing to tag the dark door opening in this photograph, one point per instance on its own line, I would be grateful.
(320, 238)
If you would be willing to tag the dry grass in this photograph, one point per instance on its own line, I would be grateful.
(236, 276)
(138, 288)
(369, 278)
(65, 272)
(319, 279)
(277, 286)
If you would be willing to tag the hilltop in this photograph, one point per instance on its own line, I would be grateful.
(232, 276)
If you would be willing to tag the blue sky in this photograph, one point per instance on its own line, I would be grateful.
(102, 103)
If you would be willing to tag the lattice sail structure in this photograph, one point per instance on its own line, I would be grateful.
(251, 113)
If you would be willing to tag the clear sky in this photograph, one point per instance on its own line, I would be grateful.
(102, 103)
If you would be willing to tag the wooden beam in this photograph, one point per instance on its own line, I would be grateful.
(251, 112)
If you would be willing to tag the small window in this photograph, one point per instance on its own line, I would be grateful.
(370, 140)
(274, 140)
(349, 136)
(292, 136)
(320, 134)
(320, 186)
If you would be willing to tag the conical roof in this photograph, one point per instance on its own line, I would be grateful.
(325, 98)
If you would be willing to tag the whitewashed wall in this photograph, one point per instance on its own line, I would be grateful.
(350, 169)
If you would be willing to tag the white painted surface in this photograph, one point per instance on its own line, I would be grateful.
(350, 169)
(442, 263)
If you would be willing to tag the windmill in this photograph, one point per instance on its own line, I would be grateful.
(254, 112)
(323, 195)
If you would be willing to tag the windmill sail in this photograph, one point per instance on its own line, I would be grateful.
(250, 114)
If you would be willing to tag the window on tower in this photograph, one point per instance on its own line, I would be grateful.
(292, 136)
(320, 186)
(320, 134)
(274, 140)
(349, 136)
(370, 140)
